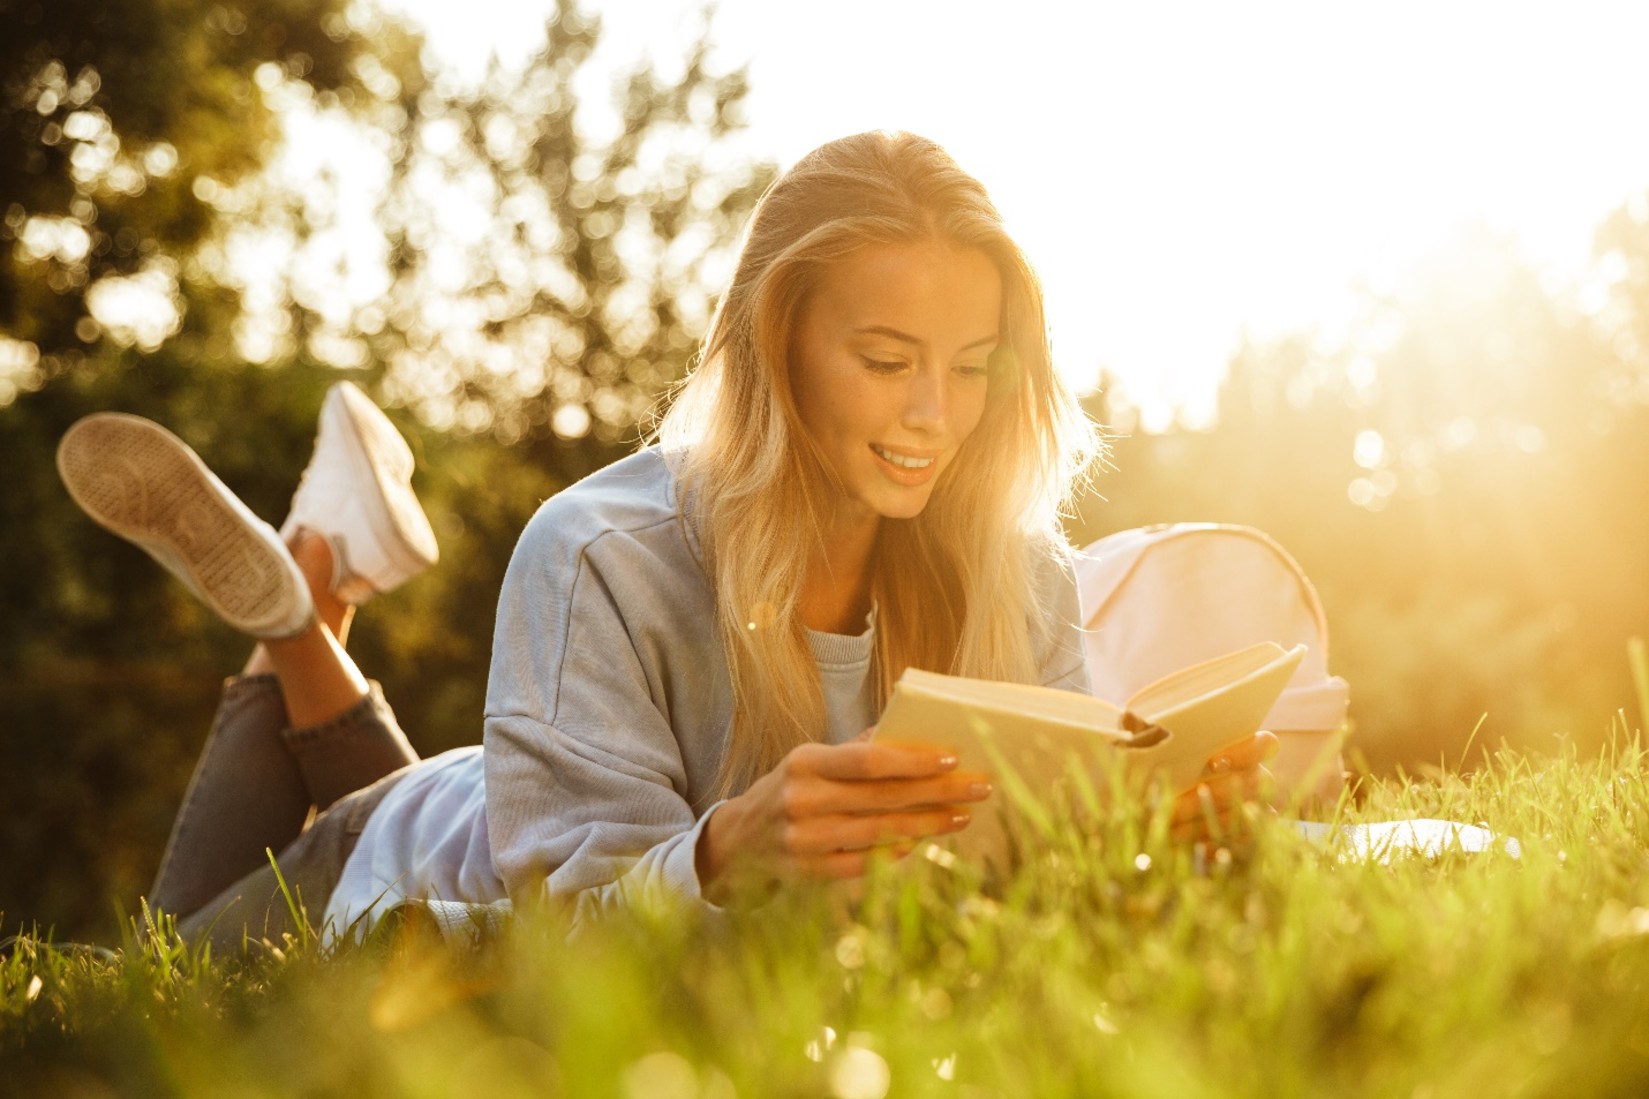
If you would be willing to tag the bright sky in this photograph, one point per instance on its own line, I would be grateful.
(1180, 172)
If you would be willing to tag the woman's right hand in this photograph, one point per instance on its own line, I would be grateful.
(1213, 809)
(826, 808)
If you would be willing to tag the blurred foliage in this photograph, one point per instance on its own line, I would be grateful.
(116, 119)
(1461, 473)
(530, 276)
(519, 277)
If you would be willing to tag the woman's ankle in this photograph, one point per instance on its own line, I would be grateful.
(313, 553)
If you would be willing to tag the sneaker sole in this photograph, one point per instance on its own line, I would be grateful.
(384, 455)
(138, 480)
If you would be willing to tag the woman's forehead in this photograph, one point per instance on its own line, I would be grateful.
(916, 292)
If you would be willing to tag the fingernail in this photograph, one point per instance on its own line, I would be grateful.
(1220, 765)
(980, 790)
(947, 762)
(960, 820)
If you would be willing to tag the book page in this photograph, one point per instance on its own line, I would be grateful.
(1216, 677)
(1209, 707)
(1034, 741)
(1071, 708)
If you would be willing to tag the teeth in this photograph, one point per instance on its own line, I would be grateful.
(900, 460)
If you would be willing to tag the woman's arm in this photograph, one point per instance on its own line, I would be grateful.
(586, 781)
(600, 717)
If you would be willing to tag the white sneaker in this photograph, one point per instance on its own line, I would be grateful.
(140, 481)
(357, 491)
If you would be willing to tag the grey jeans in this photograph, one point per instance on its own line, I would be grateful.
(256, 786)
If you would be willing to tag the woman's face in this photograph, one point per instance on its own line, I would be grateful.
(888, 367)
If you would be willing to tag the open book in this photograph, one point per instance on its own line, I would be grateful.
(1030, 738)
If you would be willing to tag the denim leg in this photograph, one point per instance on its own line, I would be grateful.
(351, 751)
(256, 781)
(247, 794)
(255, 908)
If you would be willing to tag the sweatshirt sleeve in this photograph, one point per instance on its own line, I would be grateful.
(583, 770)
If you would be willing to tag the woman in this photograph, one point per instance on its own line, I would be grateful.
(864, 474)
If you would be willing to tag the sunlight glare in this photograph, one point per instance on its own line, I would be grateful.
(1184, 174)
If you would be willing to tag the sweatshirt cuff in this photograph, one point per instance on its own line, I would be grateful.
(681, 871)
(665, 880)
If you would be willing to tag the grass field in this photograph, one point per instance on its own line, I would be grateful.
(1116, 964)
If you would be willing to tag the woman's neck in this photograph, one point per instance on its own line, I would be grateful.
(836, 597)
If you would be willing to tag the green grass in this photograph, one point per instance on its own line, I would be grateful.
(1116, 965)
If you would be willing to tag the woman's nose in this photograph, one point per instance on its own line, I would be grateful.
(926, 401)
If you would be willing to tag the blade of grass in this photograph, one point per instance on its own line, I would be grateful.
(294, 905)
(1638, 657)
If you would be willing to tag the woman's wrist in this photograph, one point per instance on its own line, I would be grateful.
(721, 849)
(707, 860)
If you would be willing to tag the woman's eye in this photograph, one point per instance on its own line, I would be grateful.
(973, 371)
(882, 366)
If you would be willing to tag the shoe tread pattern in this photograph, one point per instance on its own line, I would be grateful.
(141, 482)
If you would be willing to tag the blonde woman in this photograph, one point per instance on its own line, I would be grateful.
(863, 474)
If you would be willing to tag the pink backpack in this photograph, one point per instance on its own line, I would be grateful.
(1157, 599)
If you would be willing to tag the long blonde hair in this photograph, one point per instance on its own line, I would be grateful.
(954, 586)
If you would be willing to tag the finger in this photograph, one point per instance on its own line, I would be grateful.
(860, 760)
(839, 865)
(1221, 792)
(813, 797)
(835, 865)
(1188, 833)
(826, 797)
(1205, 814)
(1245, 754)
(823, 835)
(1207, 824)
(1231, 828)
(1208, 812)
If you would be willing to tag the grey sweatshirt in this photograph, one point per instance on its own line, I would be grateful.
(608, 712)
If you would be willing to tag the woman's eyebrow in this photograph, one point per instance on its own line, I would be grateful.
(906, 337)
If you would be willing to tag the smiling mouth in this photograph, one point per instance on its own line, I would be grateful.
(900, 460)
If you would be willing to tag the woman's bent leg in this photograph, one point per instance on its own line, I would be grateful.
(248, 794)
(256, 781)
(256, 907)
(350, 751)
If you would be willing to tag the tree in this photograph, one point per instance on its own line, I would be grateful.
(115, 119)
(522, 350)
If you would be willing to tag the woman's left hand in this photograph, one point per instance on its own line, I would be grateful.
(1212, 810)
